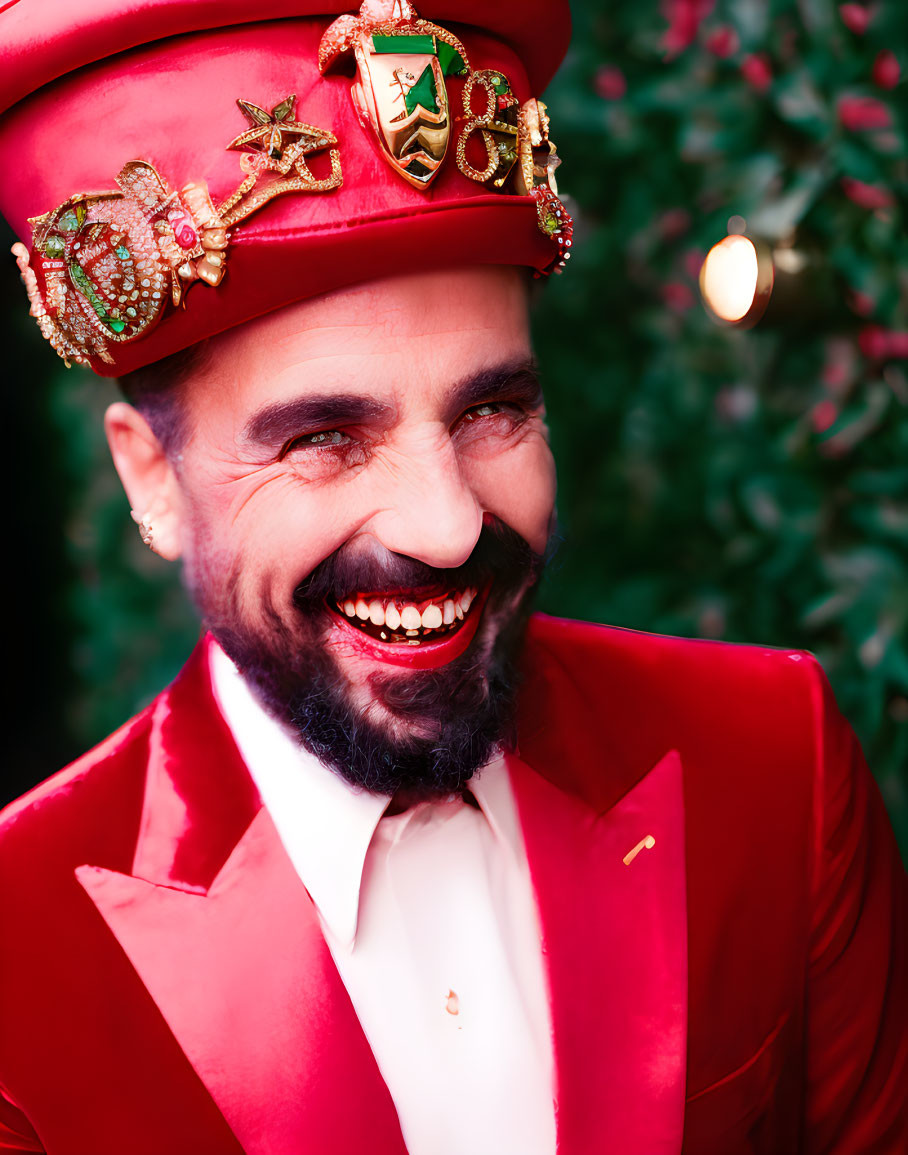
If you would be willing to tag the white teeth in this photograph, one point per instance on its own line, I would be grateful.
(410, 618)
(431, 618)
(383, 612)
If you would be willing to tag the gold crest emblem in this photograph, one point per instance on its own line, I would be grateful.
(399, 92)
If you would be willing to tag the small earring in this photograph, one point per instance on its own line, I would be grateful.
(144, 528)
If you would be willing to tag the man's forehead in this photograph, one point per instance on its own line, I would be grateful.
(392, 342)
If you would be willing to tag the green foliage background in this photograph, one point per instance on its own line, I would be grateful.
(751, 486)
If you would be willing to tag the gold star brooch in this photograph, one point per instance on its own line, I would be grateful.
(272, 133)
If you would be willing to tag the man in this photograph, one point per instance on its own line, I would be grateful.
(385, 868)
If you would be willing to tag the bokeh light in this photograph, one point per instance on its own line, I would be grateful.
(735, 282)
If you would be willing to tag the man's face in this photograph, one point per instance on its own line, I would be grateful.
(367, 492)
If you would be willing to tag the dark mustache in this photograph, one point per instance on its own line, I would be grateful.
(500, 553)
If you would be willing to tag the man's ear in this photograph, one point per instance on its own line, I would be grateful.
(148, 477)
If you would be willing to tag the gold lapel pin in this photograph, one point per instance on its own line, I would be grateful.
(644, 844)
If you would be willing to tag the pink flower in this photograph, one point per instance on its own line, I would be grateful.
(879, 344)
(723, 41)
(684, 18)
(693, 262)
(677, 297)
(757, 71)
(674, 223)
(862, 113)
(610, 82)
(886, 70)
(855, 17)
(861, 303)
(838, 366)
(823, 415)
(868, 196)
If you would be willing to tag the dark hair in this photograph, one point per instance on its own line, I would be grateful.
(156, 390)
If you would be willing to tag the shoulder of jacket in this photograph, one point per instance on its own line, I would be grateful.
(698, 696)
(78, 796)
(610, 647)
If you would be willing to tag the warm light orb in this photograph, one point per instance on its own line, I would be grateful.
(729, 278)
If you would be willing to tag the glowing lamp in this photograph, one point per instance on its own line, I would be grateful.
(736, 280)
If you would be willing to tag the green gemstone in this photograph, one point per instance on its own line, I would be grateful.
(122, 252)
(403, 45)
(68, 221)
(451, 61)
(117, 326)
(54, 246)
(422, 93)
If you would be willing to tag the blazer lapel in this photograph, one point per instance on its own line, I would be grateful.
(237, 963)
(226, 940)
(611, 891)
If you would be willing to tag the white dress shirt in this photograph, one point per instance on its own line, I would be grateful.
(431, 920)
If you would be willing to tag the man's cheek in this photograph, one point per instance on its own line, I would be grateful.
(518, 487)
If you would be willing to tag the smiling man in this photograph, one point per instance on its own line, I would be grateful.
(361, 490)
(394, 865)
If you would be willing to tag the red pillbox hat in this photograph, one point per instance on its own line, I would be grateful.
(86, 88)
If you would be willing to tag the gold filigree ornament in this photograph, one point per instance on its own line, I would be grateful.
(400, 96)
(517, 154)
(104, 266)
(399, 92)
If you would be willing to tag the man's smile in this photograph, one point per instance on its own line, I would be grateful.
(398, 628)
(408, 618)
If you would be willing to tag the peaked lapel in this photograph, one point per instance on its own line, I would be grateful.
(615, 944)
(225, 938)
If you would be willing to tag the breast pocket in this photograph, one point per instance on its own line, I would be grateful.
(742, 1113)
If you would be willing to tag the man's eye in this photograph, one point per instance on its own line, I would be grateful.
(325, 438)
(489, 409)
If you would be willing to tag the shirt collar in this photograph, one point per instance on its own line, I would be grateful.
(324, 822)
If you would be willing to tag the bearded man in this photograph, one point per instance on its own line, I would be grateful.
(393, 866)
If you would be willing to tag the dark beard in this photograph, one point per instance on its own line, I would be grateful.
(454, 718)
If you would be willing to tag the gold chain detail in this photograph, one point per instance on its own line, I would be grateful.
(484, 79)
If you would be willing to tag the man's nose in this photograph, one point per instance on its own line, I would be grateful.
(430, 513)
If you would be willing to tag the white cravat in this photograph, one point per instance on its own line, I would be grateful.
(431, 920)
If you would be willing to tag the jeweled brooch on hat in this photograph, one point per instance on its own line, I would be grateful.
(400, 91)
(104, 266)
(401, 97)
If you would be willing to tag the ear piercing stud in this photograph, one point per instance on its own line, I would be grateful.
(144, 525)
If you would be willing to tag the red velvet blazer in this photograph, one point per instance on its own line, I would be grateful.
(738, 986)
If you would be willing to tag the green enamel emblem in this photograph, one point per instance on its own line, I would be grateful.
(450, 60)
(423, 93)
(404, 45)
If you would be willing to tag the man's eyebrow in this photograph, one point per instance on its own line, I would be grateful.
(274, 424)
(512, 381)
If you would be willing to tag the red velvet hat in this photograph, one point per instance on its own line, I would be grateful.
(271, 151)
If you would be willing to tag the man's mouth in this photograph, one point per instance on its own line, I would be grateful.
(409, 619)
